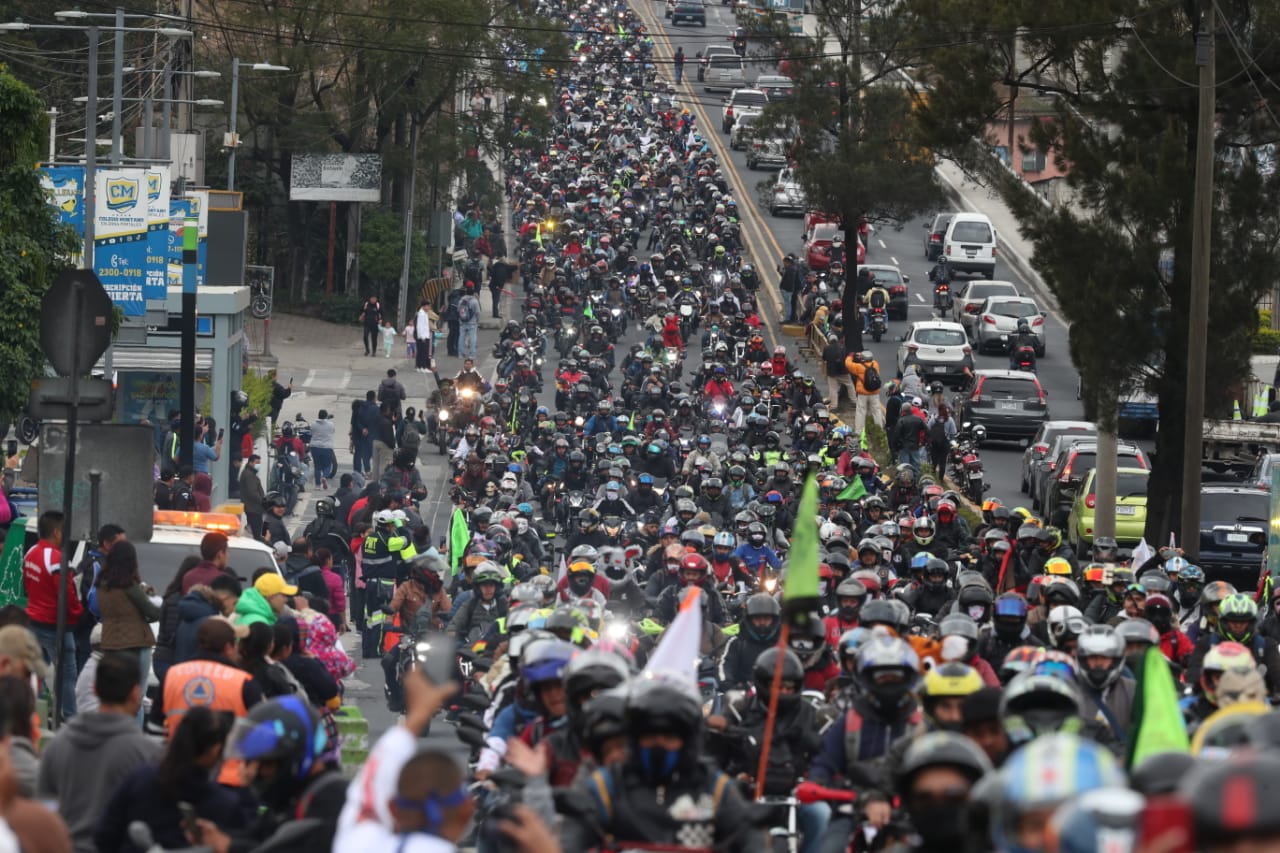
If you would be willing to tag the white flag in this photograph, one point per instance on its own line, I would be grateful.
(1141, 554)
(679, 650)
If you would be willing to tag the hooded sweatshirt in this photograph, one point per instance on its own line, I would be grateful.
(84, 765)
(253, 607)
(193, 608)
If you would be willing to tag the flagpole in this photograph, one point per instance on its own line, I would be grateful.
(772, 718)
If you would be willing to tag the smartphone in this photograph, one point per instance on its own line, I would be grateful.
(435, 655)
(13, 447)
(188, 821)
(220, 432)
(1162, 816)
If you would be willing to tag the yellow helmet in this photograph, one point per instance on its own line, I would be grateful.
(1057, 566)
(1025, 516)
(951, 679)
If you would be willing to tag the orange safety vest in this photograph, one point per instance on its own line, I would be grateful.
(391, 633)
(210, 684)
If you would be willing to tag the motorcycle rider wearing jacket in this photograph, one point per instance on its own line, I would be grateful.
(631, 802)
(760, 624)
(1007, 631)
(701, 455)
(853, 748)
(694, 571)
(735, 738)
(1023, 337)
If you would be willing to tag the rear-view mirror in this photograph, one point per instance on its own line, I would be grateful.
(906, 279)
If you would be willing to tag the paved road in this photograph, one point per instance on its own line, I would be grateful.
(771, 237)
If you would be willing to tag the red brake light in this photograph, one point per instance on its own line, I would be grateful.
(972, 309)
(913, 347)
(1041, 448)
(1066, 470)
(729, 112)
(968, 350)
(1039, 321)
(1053, 465)
(987, 318)
(1091, 501)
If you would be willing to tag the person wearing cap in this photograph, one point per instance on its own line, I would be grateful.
(41, 574)
(981, 723)
(861, 365)
(265, 600)
(21, 655)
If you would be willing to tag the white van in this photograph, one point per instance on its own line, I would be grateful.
(725, 72)
(970, 244)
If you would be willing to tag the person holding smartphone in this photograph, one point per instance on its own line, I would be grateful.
(202, 454)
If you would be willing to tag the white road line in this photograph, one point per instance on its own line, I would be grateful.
(920, 297)
(893, 260)
(311, 377)
(882, 245)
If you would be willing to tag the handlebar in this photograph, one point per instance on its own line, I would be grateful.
(811, 792)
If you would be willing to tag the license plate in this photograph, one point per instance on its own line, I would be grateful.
(1011, 404)
(1122, 509)
(1242, 538)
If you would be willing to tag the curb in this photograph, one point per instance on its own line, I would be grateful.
(1011, 256)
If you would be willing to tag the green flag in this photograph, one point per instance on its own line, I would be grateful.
(853, 491)
(459, 538)
(800, 587)
(1157, 724)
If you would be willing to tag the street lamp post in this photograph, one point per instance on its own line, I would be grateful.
(233, 141)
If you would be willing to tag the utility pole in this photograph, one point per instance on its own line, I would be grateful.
(1198, 313)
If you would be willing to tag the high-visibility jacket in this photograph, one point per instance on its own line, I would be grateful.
(211, 684)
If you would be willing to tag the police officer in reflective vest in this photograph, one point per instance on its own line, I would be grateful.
(385, 551)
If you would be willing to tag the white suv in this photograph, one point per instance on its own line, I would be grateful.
(740, 103)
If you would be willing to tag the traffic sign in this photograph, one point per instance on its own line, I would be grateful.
(75, 322)
(51, 399)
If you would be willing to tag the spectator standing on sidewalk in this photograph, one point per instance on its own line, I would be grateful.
(791, 284)
(866, 375)
(679, 64)
(451, 318)
(833, 356)
(371, 318)
(500, 273)
(41, 574)
(423, 334)
(468, 320)
(252, 494)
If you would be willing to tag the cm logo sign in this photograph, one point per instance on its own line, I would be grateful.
(122, 193)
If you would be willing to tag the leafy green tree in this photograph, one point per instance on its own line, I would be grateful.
(1118, 257)
(34, 246)
(382, 255)
(855, 141)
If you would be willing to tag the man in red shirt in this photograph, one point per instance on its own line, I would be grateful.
(41, 571)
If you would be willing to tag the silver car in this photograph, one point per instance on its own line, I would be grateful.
(785, 195)
(1036, 457)
(997, 323)
(740, 135)
(972, 294)
(725, 72)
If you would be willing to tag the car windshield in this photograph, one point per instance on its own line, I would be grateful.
(1013, 309)
(941, 223)
(940, 337)
(1232, 507)
(978, 291)
(971, 232)
(887, 276)
(826, 231)
(750, 99)
(1009, 389)
(158, 563)
(1128, 485)
(1069, 432)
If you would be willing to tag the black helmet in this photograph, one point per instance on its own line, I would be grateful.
(762, 674)
(1160, 773)
(942, 749)
(880, 611)
(324, 507)
(590, 672)
(273, 499)
(604, 718)
(1228, 798)
(660, 706)
(285, 731)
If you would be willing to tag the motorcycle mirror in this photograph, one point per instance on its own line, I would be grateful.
(901, 338)
(906, 279)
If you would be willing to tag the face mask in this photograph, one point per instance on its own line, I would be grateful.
(822, 588)
(848, 614)
(887, 698)
(977, 612)
(656, 764)
(941, 824)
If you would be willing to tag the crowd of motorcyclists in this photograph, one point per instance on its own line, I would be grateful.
(964, 683)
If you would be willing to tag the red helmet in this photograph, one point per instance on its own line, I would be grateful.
(694, 563)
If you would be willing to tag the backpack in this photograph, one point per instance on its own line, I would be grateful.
(466, 313)
(835, 359)
(938, 434)
(871, 378)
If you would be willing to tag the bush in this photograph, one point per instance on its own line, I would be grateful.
(258, 386)
(344, 310)
(1265, 339)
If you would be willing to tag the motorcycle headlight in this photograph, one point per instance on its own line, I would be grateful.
(444, 414)
(578, 421)
(617, 630)
(467, 393)
(617, 312)
(717, 407)
(770, 584)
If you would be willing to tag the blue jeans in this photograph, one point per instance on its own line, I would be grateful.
(324, 462)
(363, 463)
(812, 820)
(467, 343)
(914, 458)
(47, 636)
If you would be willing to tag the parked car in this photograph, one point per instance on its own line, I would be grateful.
(786, 196)
(940, 349)
(689, 10)
(1131, 509)
(895, 281)
(1009, 404)
(1073, 462)
(1034, 457)
(970, 244)
(970, 296)
(934, 231)
(1233, 533)
(998, 319)
(739, 103)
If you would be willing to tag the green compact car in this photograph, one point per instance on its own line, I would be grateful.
(1131, 509)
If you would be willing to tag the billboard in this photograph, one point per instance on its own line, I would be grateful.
(196, 202)
(336, 177)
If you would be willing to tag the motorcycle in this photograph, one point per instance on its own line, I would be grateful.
(879, 324)
(566, 337)
(942, 298)
(289, 476)
(1024, 358)
(965, 465)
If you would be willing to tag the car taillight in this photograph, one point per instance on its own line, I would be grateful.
(993, 251)
(1091, 501)
(729, 112)
(948, 250)
(972, 309)
(967, 350)
(987, 318)
(913, 347)
(937, 237)
(1053, 465)
(1066, 471)
(1039, 321)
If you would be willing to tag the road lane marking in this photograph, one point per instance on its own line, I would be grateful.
(892, 258)
(921, 298)
(882, 245)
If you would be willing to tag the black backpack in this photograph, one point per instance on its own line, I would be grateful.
(871, 379)
(938, 434)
